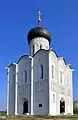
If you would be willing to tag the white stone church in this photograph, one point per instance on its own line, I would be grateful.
(40, 84)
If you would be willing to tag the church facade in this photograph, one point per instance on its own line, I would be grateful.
(40, 84)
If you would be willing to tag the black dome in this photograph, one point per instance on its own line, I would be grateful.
(38, 32)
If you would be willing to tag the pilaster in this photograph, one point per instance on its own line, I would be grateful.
(32, 86)
(8, 92)
(16, 91)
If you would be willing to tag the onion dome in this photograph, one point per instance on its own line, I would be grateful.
(38, 31)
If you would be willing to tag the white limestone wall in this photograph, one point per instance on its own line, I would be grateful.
(11, 89)
(24, 89)
(65, 88)
(40, 86)
(69, 91)
(71, 101)
(53, 88)
(41, 91)
(58, 89)
(37, 42)
(62, 85)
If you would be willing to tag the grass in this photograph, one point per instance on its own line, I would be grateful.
(75, 117)
(13, 117)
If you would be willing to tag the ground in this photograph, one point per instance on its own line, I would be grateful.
(12, 117)
(75, 117)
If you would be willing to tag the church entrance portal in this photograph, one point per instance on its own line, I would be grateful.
(25, 107)
(62, 106)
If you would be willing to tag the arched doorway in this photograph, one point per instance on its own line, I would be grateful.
(62, 106)
(25, 107)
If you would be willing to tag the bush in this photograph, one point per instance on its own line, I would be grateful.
(75, 107)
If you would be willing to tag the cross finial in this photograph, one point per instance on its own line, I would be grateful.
(39, 19)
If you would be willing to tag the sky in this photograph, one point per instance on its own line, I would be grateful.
(17, 17)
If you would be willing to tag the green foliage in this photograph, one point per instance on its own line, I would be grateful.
(75, 107)
(2, 113)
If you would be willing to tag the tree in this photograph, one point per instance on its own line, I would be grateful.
(75, 107)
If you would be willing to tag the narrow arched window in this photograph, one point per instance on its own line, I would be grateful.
(61, 76)
(14, 81)
(41, 71)
(52, 71)
(25, 74)
(68, 101)
(33, 49)
(40, 46)
(53, 98)
(68, 80)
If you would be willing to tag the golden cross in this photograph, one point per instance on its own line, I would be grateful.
(39, 19)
